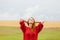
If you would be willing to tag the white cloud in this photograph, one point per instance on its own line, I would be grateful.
(30, 11)
(39, 9)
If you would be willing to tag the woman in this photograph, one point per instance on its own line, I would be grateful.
(31, 30)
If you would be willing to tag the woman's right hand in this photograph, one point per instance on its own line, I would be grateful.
(21, 19)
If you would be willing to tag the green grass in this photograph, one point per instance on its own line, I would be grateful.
(14, 33)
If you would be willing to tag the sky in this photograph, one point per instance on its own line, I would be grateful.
(46, 10)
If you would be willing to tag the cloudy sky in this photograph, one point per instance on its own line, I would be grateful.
(39, 9)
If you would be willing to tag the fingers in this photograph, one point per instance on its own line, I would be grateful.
(21, 19)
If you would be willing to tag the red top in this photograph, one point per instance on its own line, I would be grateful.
(28, 34)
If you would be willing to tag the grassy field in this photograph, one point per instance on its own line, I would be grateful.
(14, 33)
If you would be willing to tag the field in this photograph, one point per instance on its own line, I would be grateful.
(14, 33)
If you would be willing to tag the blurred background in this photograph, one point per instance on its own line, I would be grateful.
(42, 10)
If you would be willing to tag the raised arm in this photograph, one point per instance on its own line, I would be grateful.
(22, 25)
(39, 27)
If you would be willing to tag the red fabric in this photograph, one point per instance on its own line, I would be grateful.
(28, 34)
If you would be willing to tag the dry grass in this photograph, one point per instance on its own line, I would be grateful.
(16, 23)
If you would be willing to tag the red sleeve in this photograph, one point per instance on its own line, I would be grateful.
(39, 27)
(23, 27)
